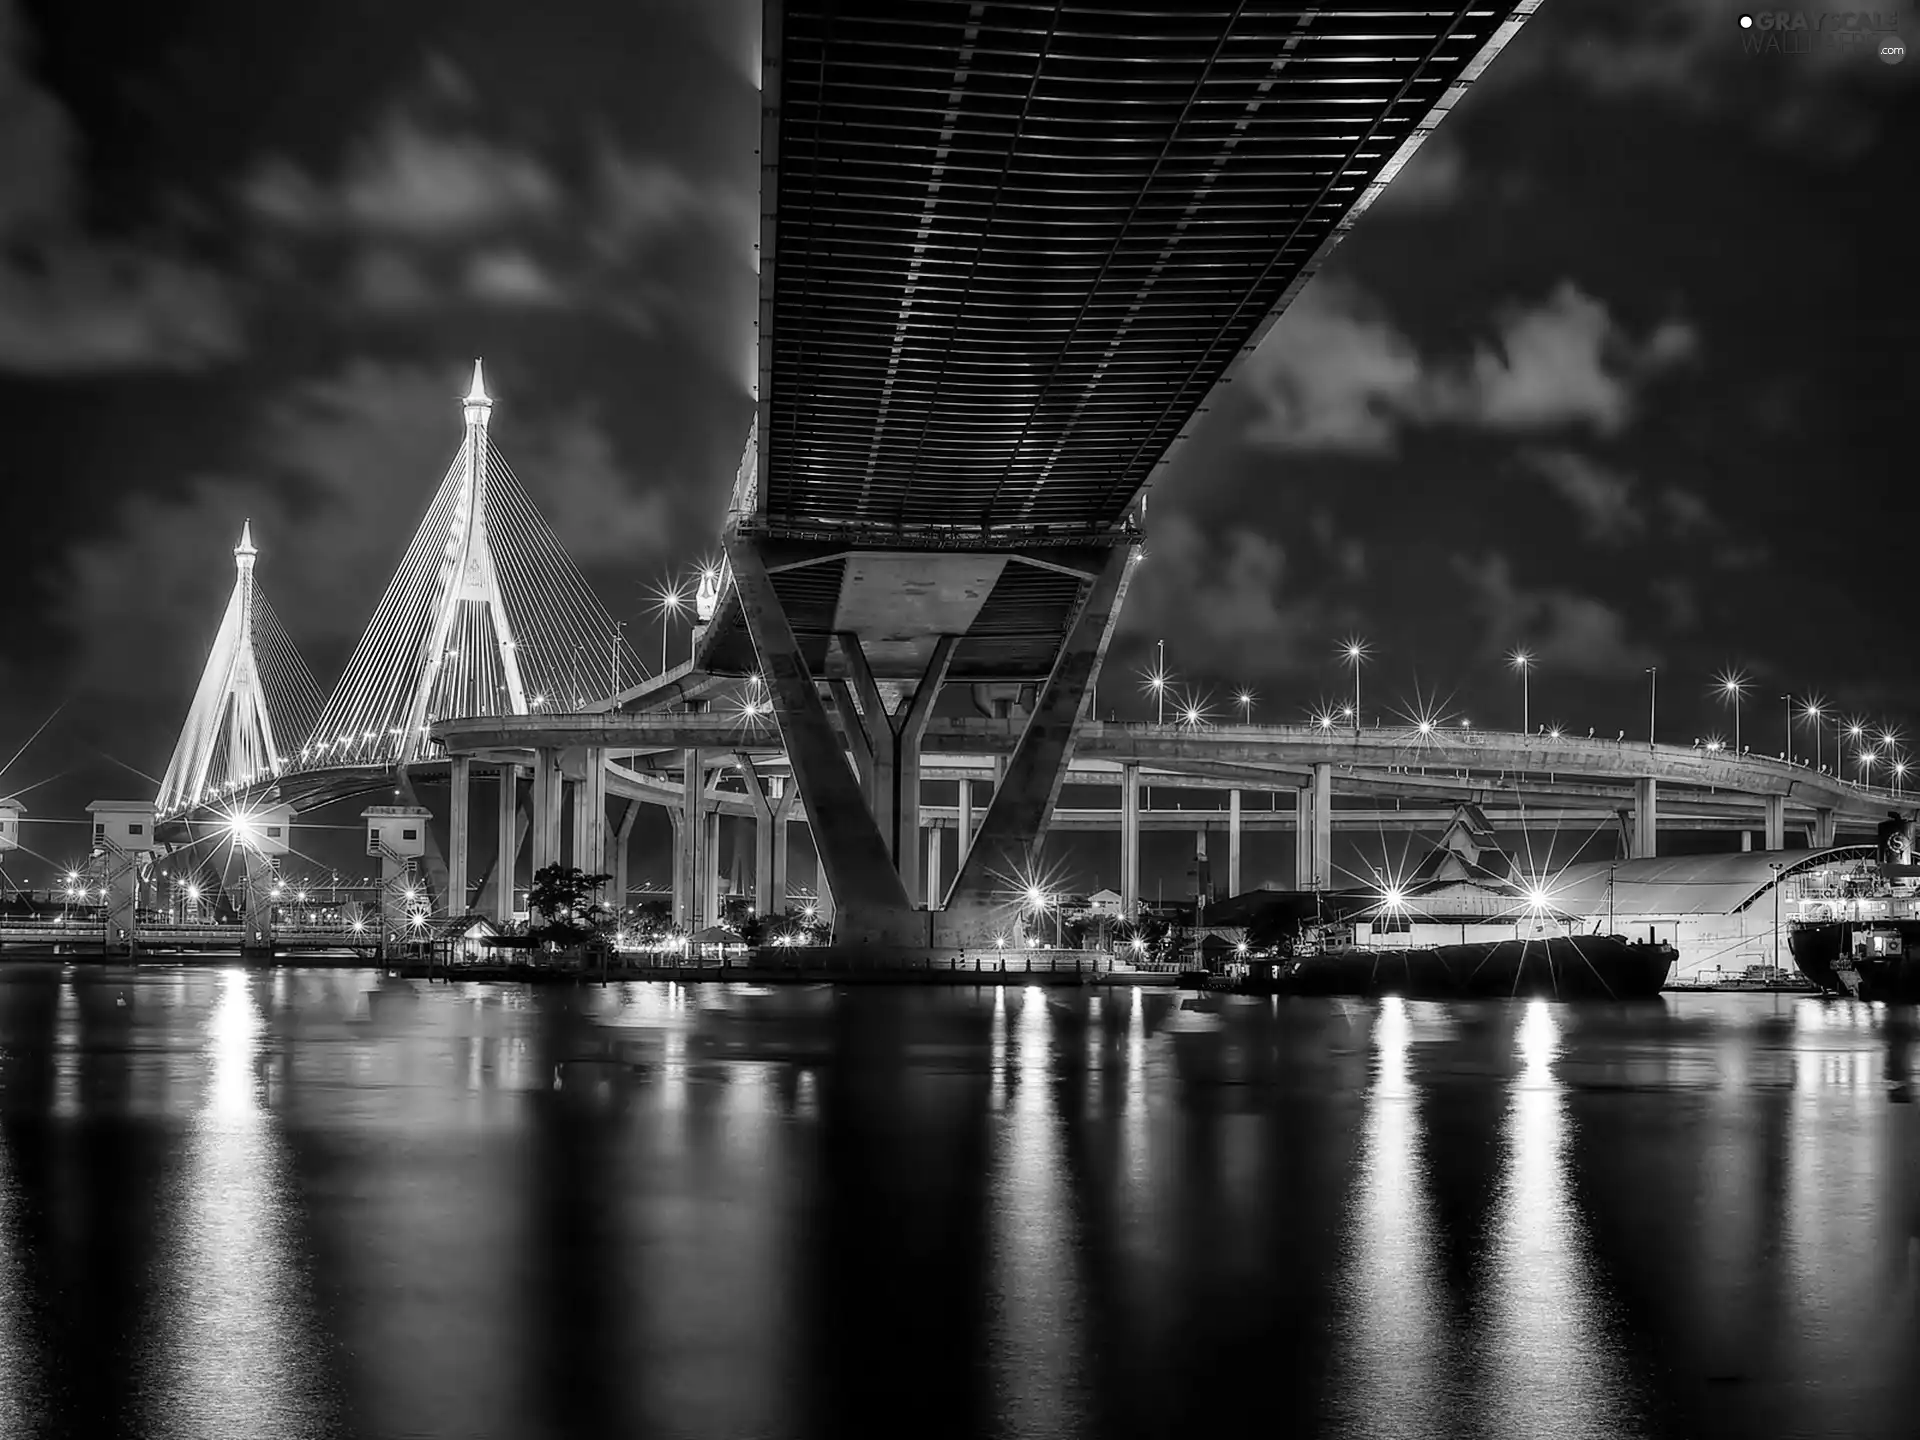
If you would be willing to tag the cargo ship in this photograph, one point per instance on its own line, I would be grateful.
(1858, 934)
(1565, 967)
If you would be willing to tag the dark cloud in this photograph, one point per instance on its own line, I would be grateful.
(1574, 633)
(1603, 497)
(1338, 374)
(73, 302)
(1217, 599)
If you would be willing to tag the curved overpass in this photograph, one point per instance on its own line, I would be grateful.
(1379, 761)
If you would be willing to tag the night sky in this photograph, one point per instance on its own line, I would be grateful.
(1620, 370)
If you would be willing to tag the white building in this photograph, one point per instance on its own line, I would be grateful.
(1721, 912)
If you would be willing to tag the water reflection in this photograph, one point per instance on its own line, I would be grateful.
(1393, 1363)
(1034, 1341)
(1554, 1368)
(235, 1347)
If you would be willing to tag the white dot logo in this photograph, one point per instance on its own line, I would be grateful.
(1892, 49)
(1746, 22)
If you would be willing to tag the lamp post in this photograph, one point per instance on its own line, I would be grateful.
(1245, 701)
(1789, 702)
(1355, 651)
(1776, 867)
(1812, 713)
(667, 600)
(1157, 681)
(1653, 696)
(1733, 686)
(1857, 733)
(1523, 662)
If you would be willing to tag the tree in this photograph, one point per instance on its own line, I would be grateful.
(565, 906)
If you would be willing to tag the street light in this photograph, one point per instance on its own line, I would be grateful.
(1355, 652)
(1156, 679)
(1811, 713)
(1789, 700)
(1733, 686)
(1523, 662)
(667, 599)
(1653, 697)
(1245, 701)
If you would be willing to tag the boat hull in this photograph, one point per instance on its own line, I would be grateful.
(1578, 967)
(1821, 947)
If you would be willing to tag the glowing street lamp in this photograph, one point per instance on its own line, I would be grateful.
(1523, 662)
(1245, 701)
(1732, 686)
(1156, 680)
(1867, 757)
(668, 601)
(1355, 654)
(1811, 712)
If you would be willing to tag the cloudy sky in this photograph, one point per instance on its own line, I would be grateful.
(1619, 371)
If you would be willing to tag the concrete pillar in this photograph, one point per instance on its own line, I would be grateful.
(892, 748)
(256, 906)
(1129, 840)
(1776, 822)
(1233, 842)
(590, 813)
(1200, 875)
(1323, 826)
(853, 855)
(710, 865)
(1646, 818)
(1303, 837)
(459, 827)
(931, 870)
(1824, 829)
(621, 856)
(965, 829)
(777, 896)
(687, 852)
(1746, 842)
(546, 808)
(682, 901)
(507, 823)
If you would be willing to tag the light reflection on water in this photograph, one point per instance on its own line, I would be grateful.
(344, 1206)
(235, 1347)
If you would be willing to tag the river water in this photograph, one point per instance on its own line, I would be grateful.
(313, 1203)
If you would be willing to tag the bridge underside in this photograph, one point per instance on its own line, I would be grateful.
(1007, 250)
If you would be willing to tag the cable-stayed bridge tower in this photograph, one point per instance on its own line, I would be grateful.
(487, 615)
(256, 699)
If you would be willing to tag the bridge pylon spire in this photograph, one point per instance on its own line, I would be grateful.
(486, 616)
(255, 696)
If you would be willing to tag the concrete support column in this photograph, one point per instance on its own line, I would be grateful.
(1200, 875)
(682, 901)
(546, 808)
(459, 827)
(1129, 840)
(1303, 837)
(890, 758)
(1646, 818)
(965, 824)
(1746, 842)
(1233, 842)
(256, 911)
(1824, 829)
(621, 854)
(932, 868)
(777, 895)
(1323, 826)
(854, 858)
(1776, 822)
(496, 896)
(710, 866)
(590, 813)
(687, 849)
